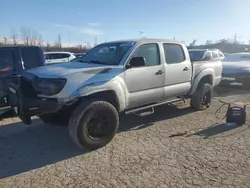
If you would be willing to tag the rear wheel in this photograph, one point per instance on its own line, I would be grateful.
(93, 124)
(202, 97)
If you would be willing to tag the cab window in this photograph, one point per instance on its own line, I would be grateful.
(6, 60)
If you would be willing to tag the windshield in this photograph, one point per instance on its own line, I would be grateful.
(108, 53)
(196, 55)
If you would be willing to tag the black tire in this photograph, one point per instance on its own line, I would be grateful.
(202, 97)
(55, 119)
(90, 111)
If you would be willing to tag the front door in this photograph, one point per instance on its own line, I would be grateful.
(178, 69)
(7, 73)
(145, 84)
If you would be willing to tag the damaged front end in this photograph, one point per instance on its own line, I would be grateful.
(23, 96)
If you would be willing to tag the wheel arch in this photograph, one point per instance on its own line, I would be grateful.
(107, 95)
(206, 76)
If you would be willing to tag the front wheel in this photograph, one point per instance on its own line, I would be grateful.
(93, 124)
(202, 97)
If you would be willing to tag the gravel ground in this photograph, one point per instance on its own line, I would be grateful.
(141, 155)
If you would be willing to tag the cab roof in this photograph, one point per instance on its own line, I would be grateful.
(147, 40)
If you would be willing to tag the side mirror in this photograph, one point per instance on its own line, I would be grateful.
(136, 62)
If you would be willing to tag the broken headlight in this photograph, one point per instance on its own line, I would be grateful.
(49, 86)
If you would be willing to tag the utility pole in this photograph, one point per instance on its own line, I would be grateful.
(235, 38)
(95, 41)
(235, 41)
(69, 37)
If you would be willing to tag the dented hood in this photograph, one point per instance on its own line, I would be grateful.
(64, 69)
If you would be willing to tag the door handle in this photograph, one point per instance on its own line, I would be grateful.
(186, 69)
(159, 72)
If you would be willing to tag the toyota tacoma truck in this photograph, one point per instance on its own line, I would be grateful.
(129, 76)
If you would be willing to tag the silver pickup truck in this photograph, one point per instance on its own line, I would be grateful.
(131, 76)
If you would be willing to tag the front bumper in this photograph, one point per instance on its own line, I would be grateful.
(237, 77)
(27, 106)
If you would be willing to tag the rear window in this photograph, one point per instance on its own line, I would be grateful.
(61, 56)
(6, 60)
(173, 53)
(31, 58)
(215, 54)
(196, 55)
(57, 56)
(221, 54)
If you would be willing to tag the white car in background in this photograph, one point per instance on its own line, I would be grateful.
(58, 57)
(205, 54)
(236, 68)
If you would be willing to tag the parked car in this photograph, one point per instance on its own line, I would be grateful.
(13, 61)
(58, 57)
(113, 77)
(205, 54)
(236, 68)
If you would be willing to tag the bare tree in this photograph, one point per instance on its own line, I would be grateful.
(208, 42)
(40, 40)
(26, 35)
(58, 43)
(33, 37)
(79, 46)
(48, 46)
(14, 36)
(224, 41)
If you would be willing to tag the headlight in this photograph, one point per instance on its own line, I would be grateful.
(49, 86)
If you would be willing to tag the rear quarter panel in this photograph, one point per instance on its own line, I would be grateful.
(205, 68)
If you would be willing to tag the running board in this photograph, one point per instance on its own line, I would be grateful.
(154, 105)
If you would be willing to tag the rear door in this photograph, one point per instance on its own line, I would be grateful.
(8, 71)
(49, 58)
(178, 70)
(53, 58)
(63, 57)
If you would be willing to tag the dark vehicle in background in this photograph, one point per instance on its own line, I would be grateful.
(78, 56)
(236, 68)
(205, 54)
(13, 61)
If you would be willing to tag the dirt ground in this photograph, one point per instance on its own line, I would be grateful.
(142, 154)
